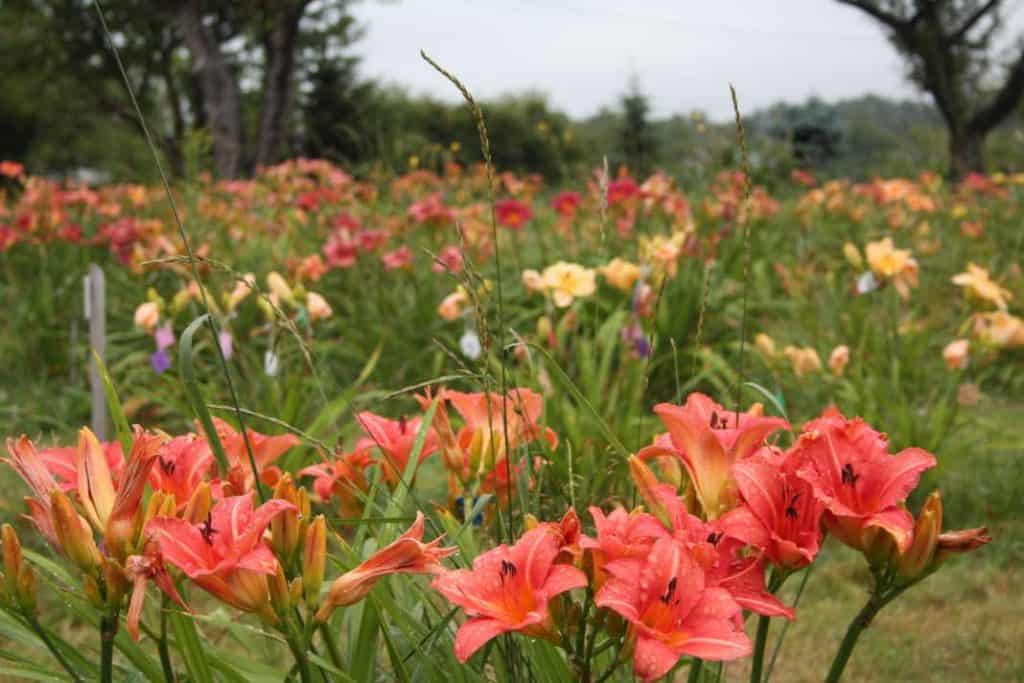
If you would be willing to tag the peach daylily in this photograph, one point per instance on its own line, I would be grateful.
(567, 282)
(979, 285)
(999, 329)
(894, 265)
(621, 274)
(956, 354)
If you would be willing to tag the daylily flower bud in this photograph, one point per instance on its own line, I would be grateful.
(147, 315)
(314, 559)
(318, 307)
(13, 560)
(963, 541)
(838, 359)
(647, 486)
(121, 524)
(73, 534)
(284, 528)
(852, 254)
(91, 588)
(530, 522)
(765, 344)
(918, 557)
(407, 555)
(95, 486)
(26, 589)
(279, 287)
(199, 505)
(280, 595)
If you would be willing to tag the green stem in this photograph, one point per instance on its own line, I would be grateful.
(45, 637)
(299, 652)
(859, 623)
(332, 647)
(108, 630)
(757, 664)
(695, 670)
(165, 654)
(775, 581)
(786, 624)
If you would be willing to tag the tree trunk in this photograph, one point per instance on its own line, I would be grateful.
(221, 101)
(966, 152)
(280, 46)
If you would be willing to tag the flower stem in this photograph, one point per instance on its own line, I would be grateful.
(859, 623)
(696, 667)
(165, 654)
(757, 664)
(332, 646)
(108, 630)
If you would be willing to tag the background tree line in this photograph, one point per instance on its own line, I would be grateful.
(230, 86)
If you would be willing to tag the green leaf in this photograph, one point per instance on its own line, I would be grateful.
(190, 647)
(121, 426)
(195, 395)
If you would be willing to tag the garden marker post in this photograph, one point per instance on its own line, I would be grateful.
(96, 314)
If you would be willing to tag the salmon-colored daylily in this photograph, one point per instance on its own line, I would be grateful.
(862, 486)
(226, 554)
(930, 546)
(709, 440)
(344, 477)
(407, 555)
(621, 536)
(265, 449)
(395, 439)
(26, 461)
(672, 611)
(489, 417)
(183, 465)
(62, 463)
(508, 590)
(785, 506)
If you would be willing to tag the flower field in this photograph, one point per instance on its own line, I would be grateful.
(463, 425)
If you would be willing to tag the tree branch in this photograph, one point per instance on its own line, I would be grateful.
(970, 22)
(893, 21)
(1004, 102)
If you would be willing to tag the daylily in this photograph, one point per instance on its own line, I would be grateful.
(621, 536)
(265, 450)
(930, 546)
(566, 203)
(862, 486)
(508, 590)
(226, 554)
(512, 213)
(709, 439)
(489, 418)
(621, 274)
(140, 570)
(344, 477)
(672, 612)
(395, 439)
(407, 555)
(892, 264)
(26, 461)
(183, 464)
(978, 285)
(62, 463)
(567, 282)
(717, 545)
(1000, 329)
(786, 507)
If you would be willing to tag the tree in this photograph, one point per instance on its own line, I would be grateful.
(948, 44)
(636, 136)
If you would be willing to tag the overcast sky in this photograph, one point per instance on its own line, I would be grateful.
(684, 52)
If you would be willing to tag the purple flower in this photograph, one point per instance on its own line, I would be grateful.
(164, 337)
(227, 344)
(161, 361)
(633, 335)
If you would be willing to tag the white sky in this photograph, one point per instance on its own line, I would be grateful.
(685, 52)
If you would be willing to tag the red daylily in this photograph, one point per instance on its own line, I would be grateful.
(407, 555)
(508, 590)
(785, 505)
(621, 189)
(512, 213)
(343, 477)
(395, 439)
(709, 439)
(265, 449)
(225, 555)
(672, 611)
(26, 461)
(566, 203)
(862, 486)
(398, 259)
